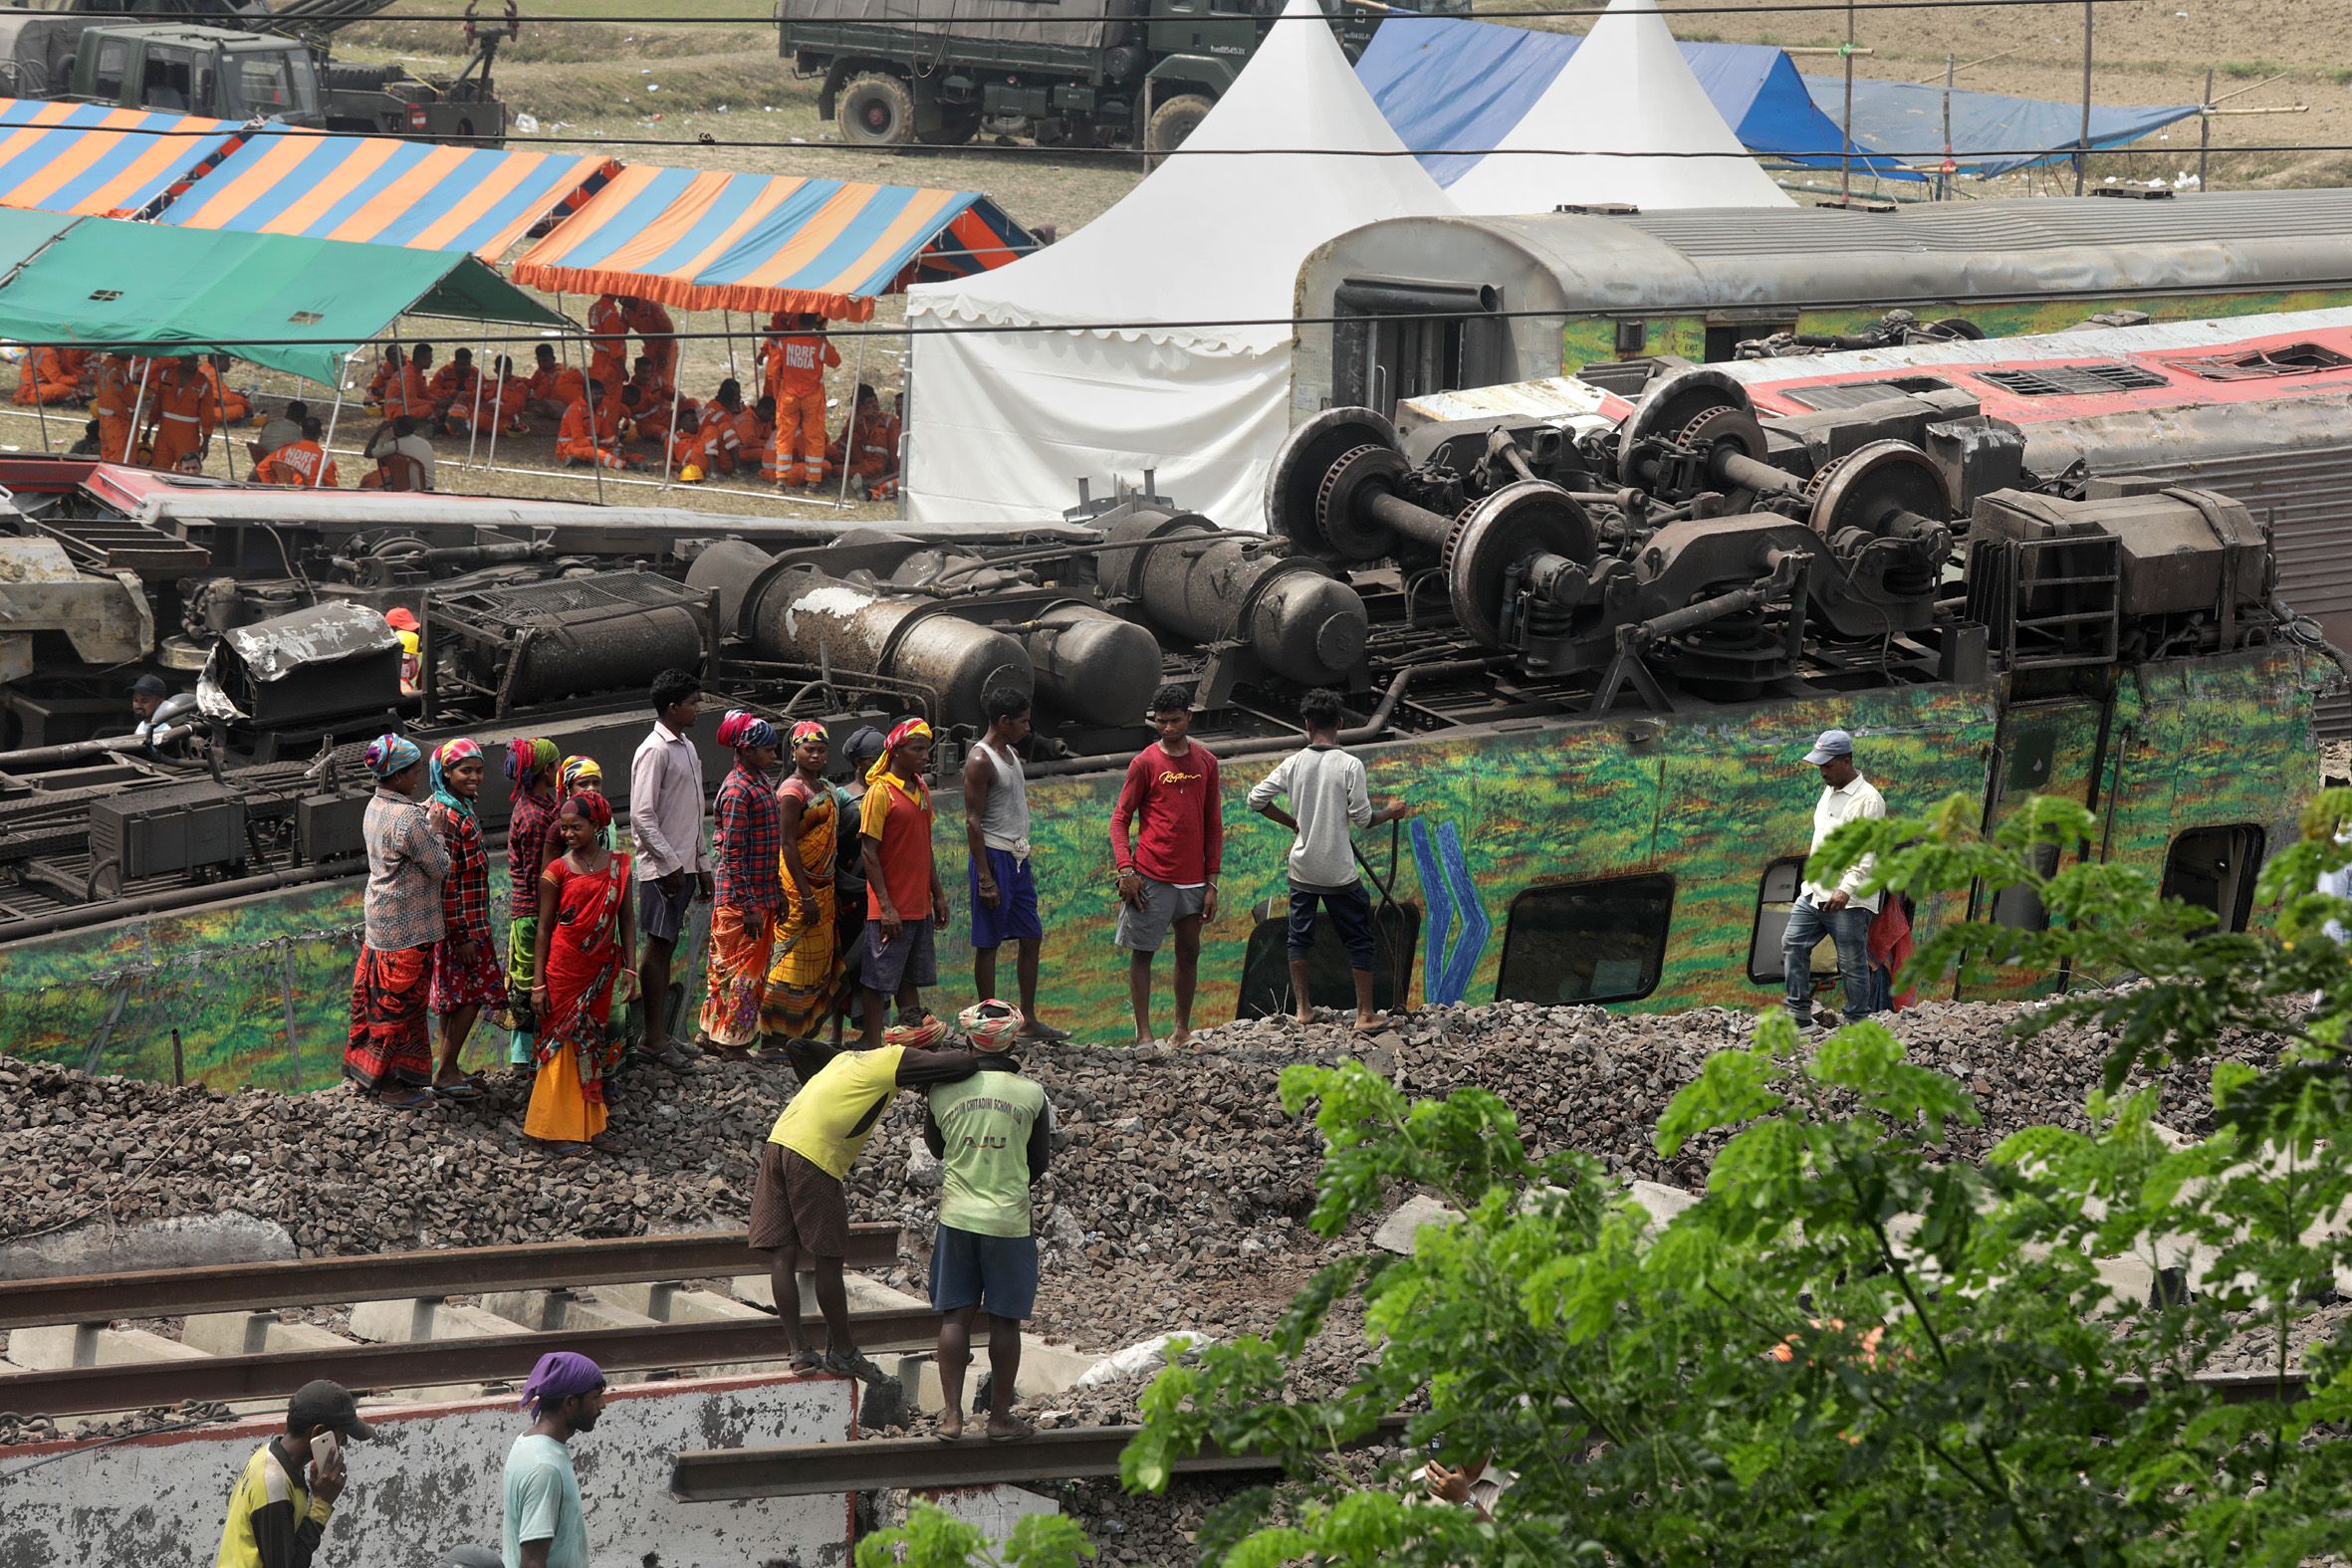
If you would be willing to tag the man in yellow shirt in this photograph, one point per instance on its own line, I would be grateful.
(279, 1508)
(800, 1204)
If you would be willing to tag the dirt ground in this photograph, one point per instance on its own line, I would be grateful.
(653, 92)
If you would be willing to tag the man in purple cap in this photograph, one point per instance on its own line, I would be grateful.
(1843, 912)
(545, 1525)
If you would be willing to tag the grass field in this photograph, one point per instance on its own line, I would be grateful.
(650, 78)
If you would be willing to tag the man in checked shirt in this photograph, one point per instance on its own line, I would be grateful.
(748, 847)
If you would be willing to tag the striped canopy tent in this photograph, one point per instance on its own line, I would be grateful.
(703, 240)
(382, 191)
(97, 161)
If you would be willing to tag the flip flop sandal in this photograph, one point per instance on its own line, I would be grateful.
(458, 1091)
(805, 1360)
(1044, 1032)
(417, 1101)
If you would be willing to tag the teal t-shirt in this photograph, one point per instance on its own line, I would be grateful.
(984, 1124)
(542, 1504)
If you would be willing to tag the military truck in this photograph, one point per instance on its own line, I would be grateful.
(239, 61)
(1120, 71)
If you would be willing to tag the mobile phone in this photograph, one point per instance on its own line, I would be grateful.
(326, 1453)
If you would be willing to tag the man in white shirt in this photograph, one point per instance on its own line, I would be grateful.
(673, 863)
(1843, 912)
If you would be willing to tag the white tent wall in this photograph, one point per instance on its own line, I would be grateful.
(1626, 91)
(1002, 425)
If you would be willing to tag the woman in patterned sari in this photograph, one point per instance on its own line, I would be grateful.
(389, 1052)
(531, 766)
(805, 980)
(467, 974)
(587, 929)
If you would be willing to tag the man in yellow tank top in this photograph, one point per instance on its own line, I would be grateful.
(279, 1508)
(800, 1204)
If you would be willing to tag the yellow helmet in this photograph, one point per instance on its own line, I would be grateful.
(690, 475)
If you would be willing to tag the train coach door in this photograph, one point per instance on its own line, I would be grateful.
(2055, 747)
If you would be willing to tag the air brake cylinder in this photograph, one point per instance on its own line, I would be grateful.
(797, 614)
(1189, 577)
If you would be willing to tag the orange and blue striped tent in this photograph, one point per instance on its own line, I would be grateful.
(703, 240)
(101, 163)
(381, 191)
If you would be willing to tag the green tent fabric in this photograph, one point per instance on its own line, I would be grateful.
(297, 305)
(23, 234)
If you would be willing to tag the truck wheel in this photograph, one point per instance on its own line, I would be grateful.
(1175, 119)
(362, 79)
(956, 126)
(876, 112)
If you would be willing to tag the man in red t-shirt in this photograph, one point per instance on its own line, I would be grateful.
(1169, 876)
(904, 898)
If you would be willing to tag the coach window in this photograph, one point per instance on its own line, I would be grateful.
(1783, 880)
(1587, 941)
(2020, 908)
(2213, 867)
(1266, 967)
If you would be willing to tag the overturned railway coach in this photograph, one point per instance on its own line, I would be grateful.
(1589, 645)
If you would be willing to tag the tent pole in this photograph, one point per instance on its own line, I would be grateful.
(727, 324)
(1944, 174)
(473, 429)
(138, 404)
(2082, 159)
(850, 429)
(2204, 131)
(677, 390)
(343, 372)
(588, 387)
(498, 404)
(41, 404)
(1845, 153)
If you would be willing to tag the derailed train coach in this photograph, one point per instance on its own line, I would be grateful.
(1590, 635)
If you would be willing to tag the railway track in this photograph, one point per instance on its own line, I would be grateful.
(64, 1357)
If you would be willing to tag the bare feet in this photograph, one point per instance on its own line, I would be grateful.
(1182, 1036)
(951, 1425)
(1002, 1428)
(1302, 1017)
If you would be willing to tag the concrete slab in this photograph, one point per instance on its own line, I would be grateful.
(254, 1334)
(411, 1322)
(1661, 1201)
(867, 1294)
(1396, 1231)
(992, 1510)
(544, 1311)
(67, 1345)
(677, 1304)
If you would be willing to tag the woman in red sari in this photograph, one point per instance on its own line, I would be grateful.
(587, 930)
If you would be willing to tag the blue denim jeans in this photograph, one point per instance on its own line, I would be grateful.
(1849, 928)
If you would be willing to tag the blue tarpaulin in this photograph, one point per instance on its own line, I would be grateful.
(1450, 83)
(2007, 134)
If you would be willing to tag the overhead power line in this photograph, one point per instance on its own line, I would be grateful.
(950, 18)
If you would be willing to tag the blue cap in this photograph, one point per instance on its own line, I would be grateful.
(1833, 743)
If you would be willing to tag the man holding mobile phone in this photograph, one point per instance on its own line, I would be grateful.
(279, 1508)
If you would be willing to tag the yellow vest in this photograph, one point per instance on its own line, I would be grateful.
(828, 1121)
(263, 1482)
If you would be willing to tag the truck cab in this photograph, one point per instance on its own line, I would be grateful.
(189, 69)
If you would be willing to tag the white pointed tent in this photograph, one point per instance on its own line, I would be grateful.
(1003, 425)
(1624, 93)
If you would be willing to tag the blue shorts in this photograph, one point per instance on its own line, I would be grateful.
(1015, 919)
(661, 915)
(968, 1269)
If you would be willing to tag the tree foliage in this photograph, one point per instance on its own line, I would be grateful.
(1854, 1348)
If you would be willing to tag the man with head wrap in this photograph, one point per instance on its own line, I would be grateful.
(800, 1207)
(390, 1052)
(747, 885)
(546, 1528)
(904, 898)
(993, 1133)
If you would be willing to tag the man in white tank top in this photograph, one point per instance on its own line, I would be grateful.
(996, 829)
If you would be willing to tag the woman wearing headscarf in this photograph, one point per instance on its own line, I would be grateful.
(580, 775)
(747, 886)
(587, 929)
(804, 981)
(467, 976)
(389, 1052)
(904, 898)
(530, 838)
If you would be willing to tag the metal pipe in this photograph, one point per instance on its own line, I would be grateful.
(177, 898)
(1418, 524)
(2082, 159)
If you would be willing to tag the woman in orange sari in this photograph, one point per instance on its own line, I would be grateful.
(587, 929)
(806, 979)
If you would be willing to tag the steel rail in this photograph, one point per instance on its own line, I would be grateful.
(467, 1270)
(887, 1464)
(494, 1358)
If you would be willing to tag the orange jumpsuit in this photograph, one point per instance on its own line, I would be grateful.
(721, 436)
(609, 342)
(112, 401)
(230, 407)
(502, 406)
(873, 453)
(795, 375)
(654, 326)
(687, 447)
(184, 409)
(595, 441)
(410, 394)
(44, 376)
(452, 390)
(302, 464)
(654, 422)
(388, 378)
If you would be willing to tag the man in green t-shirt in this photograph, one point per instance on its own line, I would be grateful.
(993, 1133)
(545, 1524)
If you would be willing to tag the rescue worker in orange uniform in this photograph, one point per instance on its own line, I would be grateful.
(757, 425)
(609, 342)
(303, 464)
(658, 394)
(686, 444)
(388, 371)
(185, 410)
(234, 407)
(721, 426)
(502, 401)
(113, 402)
(593, 439)
(413, 395)
(45, 377)
(796, 373)
(452, 391)
(552, 387)
(655, 330)
(869, 443)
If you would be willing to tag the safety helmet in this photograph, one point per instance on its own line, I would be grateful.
(691, 474)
